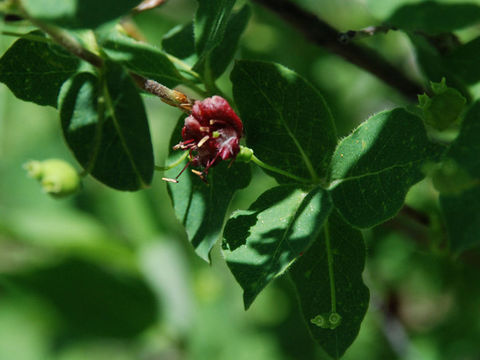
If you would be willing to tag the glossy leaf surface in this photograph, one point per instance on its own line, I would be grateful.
(110, 138)
(142, 58)
(373, 168)
(262, 242)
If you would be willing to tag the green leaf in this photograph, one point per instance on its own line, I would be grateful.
(329, 284)
(373, 168)
(262, 242)
(76, 14)
(202, 207)
(92, 301)
(220, 56)
(105, 126)
(210, 23)
(142, 59)
(435, 18)
(287, 121)
(462, 210)
(462, 61)
(180, 43)
(35, 70)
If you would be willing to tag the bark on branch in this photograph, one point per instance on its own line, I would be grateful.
(324, 35)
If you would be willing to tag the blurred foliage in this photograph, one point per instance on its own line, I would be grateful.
(111, 275)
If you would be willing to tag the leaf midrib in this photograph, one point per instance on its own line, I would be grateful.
(336, 182)
(108, 102)
(304, 156)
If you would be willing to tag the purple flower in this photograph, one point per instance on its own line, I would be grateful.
(211, 133)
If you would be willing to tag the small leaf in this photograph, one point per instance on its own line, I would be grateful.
(107, 129)
(142, 59)
(210, 23)
(373, 168)
(180, 43)
(220, 56)
(202, 207)
(462, 209)
(35, 70)
(434, 18)
(328, 278)
(76, 14)
(262, 242)
(91, 300)
(287, 121)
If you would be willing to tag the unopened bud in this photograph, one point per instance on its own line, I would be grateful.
(245, 154)
(58, 177)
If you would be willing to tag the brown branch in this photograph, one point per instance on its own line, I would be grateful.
(324, 35)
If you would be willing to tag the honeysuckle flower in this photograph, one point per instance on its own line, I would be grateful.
(211, 133)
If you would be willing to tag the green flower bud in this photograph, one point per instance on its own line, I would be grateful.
(245, 154)
(443, 108)
(58, 177)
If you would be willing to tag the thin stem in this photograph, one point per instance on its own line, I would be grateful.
(172, 165)
(260, 163)
(321, 33)
(331, 275)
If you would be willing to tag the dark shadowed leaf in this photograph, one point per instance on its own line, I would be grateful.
(462, 210)
(110, 138)
(78, 13)
(373, 168)
(202, 207)
(435, 18)
(142, 58)
(180, 43)
(210, 23)
(330, 288)
(221, 55)
(262, 242)
(92, 301)
(287, 121)
(463, 61)
(35, 70)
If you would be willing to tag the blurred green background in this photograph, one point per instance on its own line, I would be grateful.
(110, 275)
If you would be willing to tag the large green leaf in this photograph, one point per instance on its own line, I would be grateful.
(462, 209)
(328, 278)
(78, 13)
(210, 23)
(262, 242)
(142, 58)
(92, 301)
(35, 70)
(373, 168)
(221, 55)
(202, 207)
(287, 121)
(110, 138)
(435, 18)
